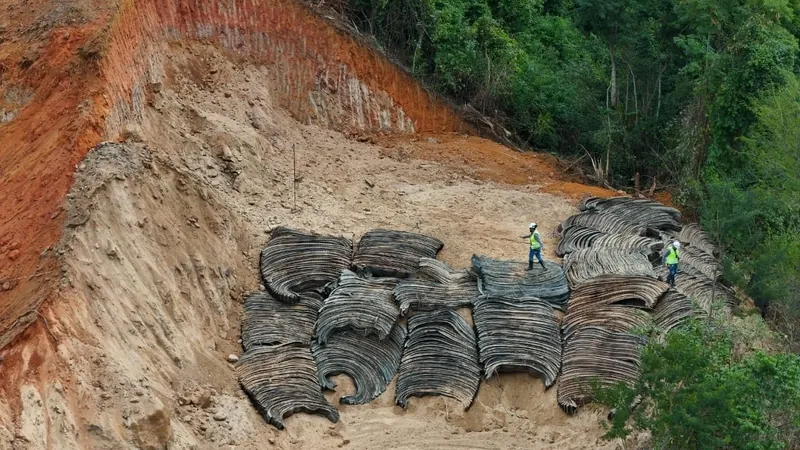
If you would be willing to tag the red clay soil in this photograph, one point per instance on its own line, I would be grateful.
(39, 150)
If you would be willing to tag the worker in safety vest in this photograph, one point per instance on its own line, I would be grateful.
(671, 258)
(536, 247)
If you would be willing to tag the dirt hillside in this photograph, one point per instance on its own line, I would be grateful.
(142, 252)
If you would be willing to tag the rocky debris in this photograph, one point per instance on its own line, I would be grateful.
(184, 399)
(232, 358)
(220, 417)
(112, 253)
(132, 133)
(193, 222)
(78, 220)
(226, 154)
(231, 169)
(258, 119)
(152, 431)
(203, 400)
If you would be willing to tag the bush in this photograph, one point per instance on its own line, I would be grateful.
(700, 96)
(695, 394)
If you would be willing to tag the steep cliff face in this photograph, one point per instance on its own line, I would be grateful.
(324, 75)
(123, 268)
(78, 72)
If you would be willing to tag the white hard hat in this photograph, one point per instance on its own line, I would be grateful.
(533, 225)
(676, 244)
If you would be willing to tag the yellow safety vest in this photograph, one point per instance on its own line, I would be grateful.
(672, 256)
(534, 243)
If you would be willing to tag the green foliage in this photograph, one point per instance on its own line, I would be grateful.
(755, 209)
(695, 394)
(700, 96)
(510, 59)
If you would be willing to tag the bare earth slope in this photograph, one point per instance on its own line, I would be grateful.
(152, 245)
(75, 72)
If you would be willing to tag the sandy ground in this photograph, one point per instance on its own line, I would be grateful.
(161, 245)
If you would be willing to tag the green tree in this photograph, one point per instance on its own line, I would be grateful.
(700, 96)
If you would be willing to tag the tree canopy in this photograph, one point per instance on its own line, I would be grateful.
(700, 96)
(694, 393)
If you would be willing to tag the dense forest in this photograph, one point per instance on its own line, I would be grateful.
(699, 97)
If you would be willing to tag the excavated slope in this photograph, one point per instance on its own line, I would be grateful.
(123, 271)
(77, 72)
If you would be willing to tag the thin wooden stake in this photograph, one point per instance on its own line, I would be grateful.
(294, 177)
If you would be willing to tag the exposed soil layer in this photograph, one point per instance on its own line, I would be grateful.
(122, 272)
(162, 246)
(75, 72)
(486, 160)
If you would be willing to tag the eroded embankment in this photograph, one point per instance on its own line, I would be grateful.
(49, 122)
(166, 243)
(75, 73)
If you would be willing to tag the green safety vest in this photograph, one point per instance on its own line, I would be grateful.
(534, 243)
(672, 256)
